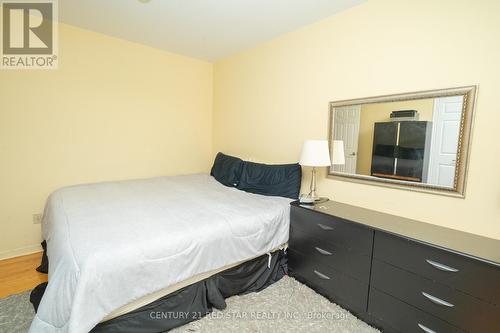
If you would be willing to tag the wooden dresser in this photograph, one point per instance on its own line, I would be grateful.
(397, 274)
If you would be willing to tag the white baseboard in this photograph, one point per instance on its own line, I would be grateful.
(22, 251)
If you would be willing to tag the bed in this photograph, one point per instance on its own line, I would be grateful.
(116, 247)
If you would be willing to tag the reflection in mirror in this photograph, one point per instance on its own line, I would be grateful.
(415, 140)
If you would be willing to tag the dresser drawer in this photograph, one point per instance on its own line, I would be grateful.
(404, 317)
(471, 276)
(341, 289)
(453, 306)
(328, 254)
(333, 230)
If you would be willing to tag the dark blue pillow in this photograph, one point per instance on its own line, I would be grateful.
(227, 169)
(273, 180)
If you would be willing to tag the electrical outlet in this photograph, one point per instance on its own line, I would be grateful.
(37, 218)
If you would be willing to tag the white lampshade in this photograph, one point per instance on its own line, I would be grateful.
(338, 152)
(315, 153)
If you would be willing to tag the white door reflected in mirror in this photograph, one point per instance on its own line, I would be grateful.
(347, 130)
(445, 128)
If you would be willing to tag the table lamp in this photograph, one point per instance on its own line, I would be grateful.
(315, 153)
(338, 157)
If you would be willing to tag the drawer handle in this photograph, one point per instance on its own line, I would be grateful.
(436, 300)
(324, 252)
(441, 267)
(321, 275)
(324, 227)
(426, 329)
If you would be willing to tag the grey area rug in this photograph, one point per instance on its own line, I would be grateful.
(16, 313)
(286, 306)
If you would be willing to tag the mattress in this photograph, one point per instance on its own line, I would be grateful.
(144, 236)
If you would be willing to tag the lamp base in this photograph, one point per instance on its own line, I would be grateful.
(306, 199)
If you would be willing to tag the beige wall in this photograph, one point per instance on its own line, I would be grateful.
(113, 110)
(379, 112)
(269, 99)
(118, 110)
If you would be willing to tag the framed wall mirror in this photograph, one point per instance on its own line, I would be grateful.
(418, 141)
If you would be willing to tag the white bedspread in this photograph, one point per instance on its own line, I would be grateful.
(112, 243)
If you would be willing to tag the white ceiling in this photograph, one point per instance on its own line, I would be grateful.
(203, 29)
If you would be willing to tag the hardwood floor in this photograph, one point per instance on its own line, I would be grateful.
(19, 274)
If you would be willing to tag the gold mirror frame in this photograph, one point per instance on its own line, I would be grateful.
(463, 150)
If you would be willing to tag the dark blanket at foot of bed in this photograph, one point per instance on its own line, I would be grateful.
(194, 301)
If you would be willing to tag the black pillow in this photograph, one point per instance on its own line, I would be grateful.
(227, 169)
(273, 180)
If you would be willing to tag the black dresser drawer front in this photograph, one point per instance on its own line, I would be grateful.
(453, 306)
(327, 254)
(341, 289)
(333, 230)
(471, 276)
(404, 317)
